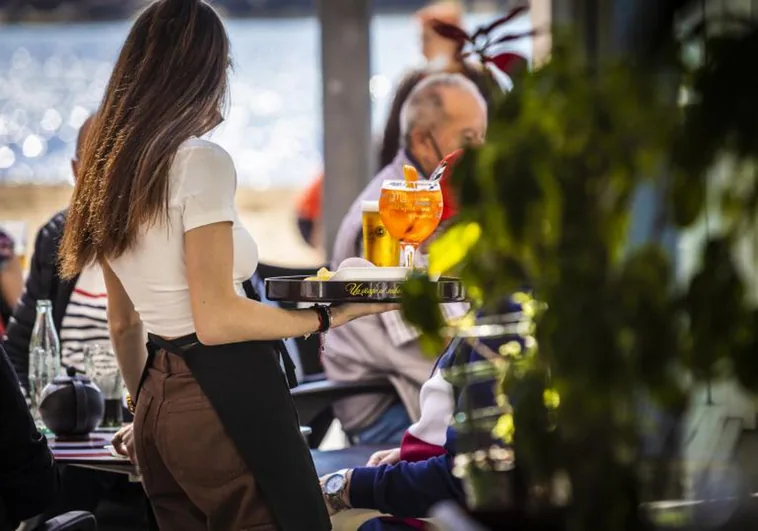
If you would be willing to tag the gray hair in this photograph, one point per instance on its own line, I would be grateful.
(424, 106)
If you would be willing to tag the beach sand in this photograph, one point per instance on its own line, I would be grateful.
(268, 214)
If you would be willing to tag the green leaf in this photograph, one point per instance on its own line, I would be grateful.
(450, 249)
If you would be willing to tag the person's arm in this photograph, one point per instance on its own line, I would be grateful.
(28, 478)
(222, 316)
(12, 281)
(407, 490)
(127, 334)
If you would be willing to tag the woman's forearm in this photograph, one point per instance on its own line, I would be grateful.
(241, 319)
(131, 354)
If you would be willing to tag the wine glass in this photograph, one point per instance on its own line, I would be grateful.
(410, 211)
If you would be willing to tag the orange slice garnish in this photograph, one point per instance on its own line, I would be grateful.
(410, 173)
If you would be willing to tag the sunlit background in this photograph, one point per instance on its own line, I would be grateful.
(53, 76)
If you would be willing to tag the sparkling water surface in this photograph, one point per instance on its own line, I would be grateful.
(53, 76)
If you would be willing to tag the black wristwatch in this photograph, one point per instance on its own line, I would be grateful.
(334, 488)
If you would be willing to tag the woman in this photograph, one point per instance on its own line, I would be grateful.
(216, 431)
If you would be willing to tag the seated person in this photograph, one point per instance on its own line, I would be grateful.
(443, 113)
(79, 308)
(441, 55)
(406, 482)
(11, 278)
(28, 479)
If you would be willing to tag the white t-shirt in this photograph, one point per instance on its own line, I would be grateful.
(202, 184)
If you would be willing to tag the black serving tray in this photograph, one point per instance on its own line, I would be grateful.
(298, 289)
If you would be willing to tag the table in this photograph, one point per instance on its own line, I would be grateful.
(94, 454)
(91, 453)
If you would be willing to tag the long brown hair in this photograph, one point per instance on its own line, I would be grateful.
(169, 84)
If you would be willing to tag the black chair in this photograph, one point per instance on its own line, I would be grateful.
(71, 521)
(315, 394)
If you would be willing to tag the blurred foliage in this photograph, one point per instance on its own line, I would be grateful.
(550, 196)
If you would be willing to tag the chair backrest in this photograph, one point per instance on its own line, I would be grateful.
(71, 521)
(310, 348)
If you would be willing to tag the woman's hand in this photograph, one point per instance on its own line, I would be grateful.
(123, 443)
(384, 457)
(345, 313)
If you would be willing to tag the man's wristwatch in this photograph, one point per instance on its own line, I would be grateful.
(334, 490)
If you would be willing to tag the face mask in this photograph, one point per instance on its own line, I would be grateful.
(435, 147)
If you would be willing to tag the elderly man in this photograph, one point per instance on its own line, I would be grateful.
(442, 55)
(78, 306)
(443, 113)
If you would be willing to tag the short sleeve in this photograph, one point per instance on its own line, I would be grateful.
(208, 185)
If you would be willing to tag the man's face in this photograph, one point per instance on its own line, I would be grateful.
(464, 124)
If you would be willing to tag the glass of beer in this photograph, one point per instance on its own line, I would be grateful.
(379, 247)
(410, 211)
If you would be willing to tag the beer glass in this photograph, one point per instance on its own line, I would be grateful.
(379, 247)
(410, 211)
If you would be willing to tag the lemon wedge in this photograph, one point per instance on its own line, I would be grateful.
(322, 274)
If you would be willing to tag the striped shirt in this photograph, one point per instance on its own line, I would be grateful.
(85, 321)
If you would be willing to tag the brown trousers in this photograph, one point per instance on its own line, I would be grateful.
(191, 470)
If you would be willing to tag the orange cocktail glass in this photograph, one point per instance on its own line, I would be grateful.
(410, 211)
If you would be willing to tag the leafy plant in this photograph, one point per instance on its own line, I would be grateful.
(486, 43)
(546, 202)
